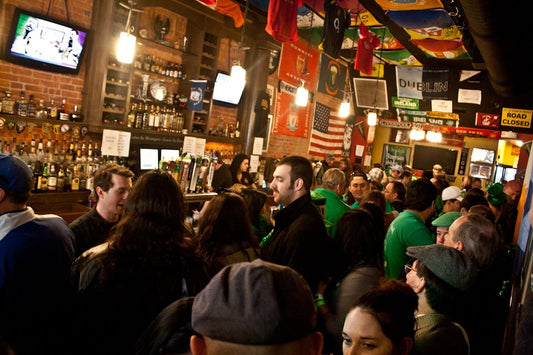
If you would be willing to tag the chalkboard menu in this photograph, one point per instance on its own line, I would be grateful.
(425, 157)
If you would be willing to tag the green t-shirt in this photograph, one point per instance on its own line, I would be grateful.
(335, 208)
(407, 230)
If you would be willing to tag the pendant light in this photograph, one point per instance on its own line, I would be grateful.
(302, 95)
(126, 43)
(238, 73)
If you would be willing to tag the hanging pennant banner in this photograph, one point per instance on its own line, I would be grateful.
(332, 77)
(289, 118)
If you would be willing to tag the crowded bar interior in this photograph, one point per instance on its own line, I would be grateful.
(384, 91)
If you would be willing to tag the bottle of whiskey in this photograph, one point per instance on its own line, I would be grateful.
(22, 105)
(62, 113)
(131, 116)
(8, 104)
(75, 116)
(52, 110)
(52, 178)
(32, 107)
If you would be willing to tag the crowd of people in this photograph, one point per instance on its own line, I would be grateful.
(392, 264)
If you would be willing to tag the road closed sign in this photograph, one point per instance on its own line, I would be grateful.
(516, 118)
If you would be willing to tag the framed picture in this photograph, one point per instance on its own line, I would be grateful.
(400, 136)
(395, 154)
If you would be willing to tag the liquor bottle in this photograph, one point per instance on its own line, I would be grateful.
(139, 117)
(75, 116)
(62, 113)
(52, 178)
(131, 115)
(157, 119)
(8, 104)
(22, 107)
(40, 111)
(60, 180)
(44, 178)
(75, 183)
(237, 131)
(147, 62)
(90, 152)
(96, 154)
(32, 107)
(151, 117)
(52, 110)
(37, 175)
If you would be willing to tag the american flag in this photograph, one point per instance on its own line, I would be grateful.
(327, 133)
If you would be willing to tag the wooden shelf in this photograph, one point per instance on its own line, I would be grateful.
(111, 82)
(118, 69)
(163, 78)
(150, 43)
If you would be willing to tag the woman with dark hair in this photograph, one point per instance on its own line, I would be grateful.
(359, 245)
(146, 264)
(170, 332)
(239, 169)
(256, 200)
(381, 321)
(225, 234)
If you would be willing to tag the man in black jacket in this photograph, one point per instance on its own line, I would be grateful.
(299, 238)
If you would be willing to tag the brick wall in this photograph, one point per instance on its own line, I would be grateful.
(42, 84)
(280, 145)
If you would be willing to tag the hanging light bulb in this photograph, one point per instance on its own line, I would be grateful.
(372, 118)
(344, 110)
(238, 73)
(126, 48)
(126, 42)
(434, 137)
(302, 95)
(417, 135)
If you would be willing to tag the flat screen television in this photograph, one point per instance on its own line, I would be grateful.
(149, 158)
(480, 155)
(40, 42)
(226, 90)
(425, 157)
(170, 154)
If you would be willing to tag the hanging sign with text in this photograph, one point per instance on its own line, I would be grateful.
(516, 117)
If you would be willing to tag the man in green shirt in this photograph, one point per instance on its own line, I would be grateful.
(333, 186)
(409, 228)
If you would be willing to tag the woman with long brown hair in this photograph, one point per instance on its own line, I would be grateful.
(146, 264)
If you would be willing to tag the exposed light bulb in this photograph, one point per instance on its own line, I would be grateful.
(344, 110)
(434, 137)
(302, 95)
(417, 135)
(126, 48)
(372, 118)
(238, 73)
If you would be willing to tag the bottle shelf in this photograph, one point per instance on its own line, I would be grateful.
(161, 46)
(117, 83)
(118, 69)
(161, 77)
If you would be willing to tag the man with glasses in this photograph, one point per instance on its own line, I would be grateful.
(394, 194)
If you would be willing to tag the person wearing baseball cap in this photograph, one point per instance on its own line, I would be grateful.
(443, 223)
(395, 171)
(255, 307)
(36, 253)
(440, 276)
(451, 199)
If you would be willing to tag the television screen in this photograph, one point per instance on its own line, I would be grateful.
(425, 157)
(227, 90)
(149, 158)
(44, 43)
(480, 155)
(170, 154)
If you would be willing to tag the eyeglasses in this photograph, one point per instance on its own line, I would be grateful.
(408, 268)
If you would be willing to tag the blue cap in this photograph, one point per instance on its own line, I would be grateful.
(15, 175)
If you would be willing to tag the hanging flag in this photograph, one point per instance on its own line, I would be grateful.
(209, 3)
(366, 44)
(327, 133)
(196, 98)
